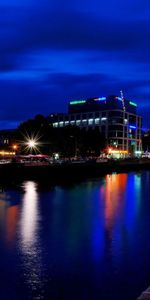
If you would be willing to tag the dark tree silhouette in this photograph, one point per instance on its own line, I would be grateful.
(68, 141)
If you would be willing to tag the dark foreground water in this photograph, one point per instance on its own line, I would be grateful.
(83, 241)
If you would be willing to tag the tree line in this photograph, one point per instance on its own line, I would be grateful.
(68, 141)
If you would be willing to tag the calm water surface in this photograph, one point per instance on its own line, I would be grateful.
(83, 241)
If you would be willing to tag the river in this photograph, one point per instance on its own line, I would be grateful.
(88, 240)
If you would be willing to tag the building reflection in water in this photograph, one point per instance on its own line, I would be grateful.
(114, 194)
(30, 247)
(11, 223)
(121, 194)
(133, 202)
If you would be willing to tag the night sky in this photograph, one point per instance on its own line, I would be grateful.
(52, 51)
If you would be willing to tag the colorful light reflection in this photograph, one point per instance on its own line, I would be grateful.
(114, 196)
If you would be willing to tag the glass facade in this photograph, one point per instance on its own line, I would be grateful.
(120, 124)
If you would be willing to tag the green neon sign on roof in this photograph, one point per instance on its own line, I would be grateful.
(77, 102)
(132, 103)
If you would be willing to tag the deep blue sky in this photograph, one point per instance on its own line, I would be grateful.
(52, 51)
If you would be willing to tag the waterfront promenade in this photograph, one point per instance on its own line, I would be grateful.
(70, 171)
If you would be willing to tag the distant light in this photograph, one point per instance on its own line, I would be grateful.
(97, 120)
(119, 98)
(55, 124)
(78, 122)
(117, 151)
(103, 119)
(56, 156)
(31, 143)
(14, 147)
(100, 99)
(3, 152)
(132, 127)
(109, 150)
(77, 102)
(132, 103)
(138, 152)
(90, 121)
(66, 122)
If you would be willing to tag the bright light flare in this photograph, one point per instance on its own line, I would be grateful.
(32, 143)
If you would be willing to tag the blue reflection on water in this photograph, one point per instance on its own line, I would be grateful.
(86, 241)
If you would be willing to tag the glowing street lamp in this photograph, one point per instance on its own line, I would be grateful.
(31, 144)
(14, 147)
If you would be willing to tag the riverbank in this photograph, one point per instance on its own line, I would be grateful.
(69, 171)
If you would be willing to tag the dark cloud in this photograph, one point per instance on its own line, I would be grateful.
(7, 63)
(44, 27)
(27, 99)
(51, 52)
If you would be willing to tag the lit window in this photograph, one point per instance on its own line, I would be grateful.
(90, 121)
(66, 122)
(55, 124)
(78, 122)
(97, 120)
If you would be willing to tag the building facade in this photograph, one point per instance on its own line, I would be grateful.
(115, 117)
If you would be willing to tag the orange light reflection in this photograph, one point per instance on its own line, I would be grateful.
(114, 194)
(11, 222)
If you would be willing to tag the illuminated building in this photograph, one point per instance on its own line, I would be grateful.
(115, 117)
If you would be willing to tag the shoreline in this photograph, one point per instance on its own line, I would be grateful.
(69, 172)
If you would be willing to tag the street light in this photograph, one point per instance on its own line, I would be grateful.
(15, 147)
(32, 145)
